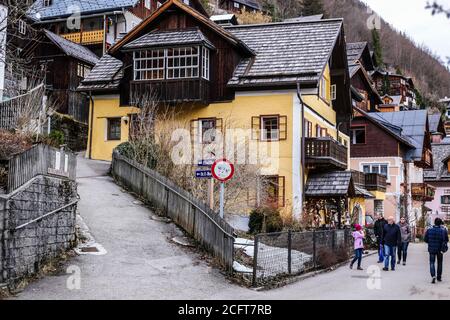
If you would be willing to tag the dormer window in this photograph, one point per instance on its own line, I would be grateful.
(172, 63)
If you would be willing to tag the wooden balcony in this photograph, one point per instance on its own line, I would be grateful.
(375, 182)
(171, 91)
(369, 181)
(325, 153)
(422, 192)
(427, 159)
(85, 37)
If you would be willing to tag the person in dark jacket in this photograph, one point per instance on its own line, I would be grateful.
(405, 231)
(392, 238)
(378, 230)
(436, 237)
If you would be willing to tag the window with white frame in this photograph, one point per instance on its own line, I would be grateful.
(236, 5)
(333, 92)
(173, 63)
(380, 168)
(323, 88)
(83, 70)
(270, 128)
(182, 63)
(205, 63)
(147, 4)
(22, 27)
(207, 130)
(149, 64)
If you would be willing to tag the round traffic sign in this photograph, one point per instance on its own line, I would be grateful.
(222, 170)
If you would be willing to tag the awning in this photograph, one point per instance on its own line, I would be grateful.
(330, 184)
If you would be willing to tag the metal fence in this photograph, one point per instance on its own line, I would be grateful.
(40, 159)
(203, 224)
(293, 253)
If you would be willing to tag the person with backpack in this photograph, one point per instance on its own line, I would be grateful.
(358, 235)
(378, 230)
(437, 239)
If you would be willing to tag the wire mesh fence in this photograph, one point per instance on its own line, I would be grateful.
(293, 253)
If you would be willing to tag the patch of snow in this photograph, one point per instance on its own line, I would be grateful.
(241, 268)
(90, 240)
(246, 244)
(238, 222)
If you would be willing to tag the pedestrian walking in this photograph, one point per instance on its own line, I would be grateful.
(378, 229)
(392, 239)
(405, 231)
(358, 235)
(437, 239)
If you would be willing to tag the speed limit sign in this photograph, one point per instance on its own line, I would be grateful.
(222, 170)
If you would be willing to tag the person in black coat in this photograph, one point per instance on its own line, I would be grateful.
(378, 230)
(392, 238)
(437, 239)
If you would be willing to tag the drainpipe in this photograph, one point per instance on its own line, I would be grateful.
(104, 34)
(406, 192)
(302, 146)
(91, 124)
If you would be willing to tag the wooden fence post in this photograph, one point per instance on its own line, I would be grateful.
(255, 261)
(290, 252)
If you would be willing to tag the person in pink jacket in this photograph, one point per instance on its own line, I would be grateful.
(358, 235)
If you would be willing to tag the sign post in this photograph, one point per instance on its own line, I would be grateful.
(222, 170)
(207, 174)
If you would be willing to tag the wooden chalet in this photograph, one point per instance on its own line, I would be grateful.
(64, 65)
(364, 94)
(102, 22)
(238, 6)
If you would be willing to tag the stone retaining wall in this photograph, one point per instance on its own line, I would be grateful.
(25, 249)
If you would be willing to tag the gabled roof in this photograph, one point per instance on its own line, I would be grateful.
(441, 152)
(170, 38)
(105, 75)
(394, 131)
(363, 193)
(413, 124)
(136, 32)
(354, 69)
(359, 52)
(65, 8)
(330, 184)
(305, 18)
(72, 49)
(286, 53)
(436, 124)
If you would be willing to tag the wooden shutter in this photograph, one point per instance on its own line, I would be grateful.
(281, 191)
(256, 128)
(282, 122)
(194, 131)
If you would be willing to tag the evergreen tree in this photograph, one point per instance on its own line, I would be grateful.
(377, 48)
(312, 7)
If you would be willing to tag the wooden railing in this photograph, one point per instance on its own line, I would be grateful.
(325, 152)
(422, 192)
(197, 219)
(375, 182)
(40, 160)
(171, 91)
(359, 178)
(85, 37)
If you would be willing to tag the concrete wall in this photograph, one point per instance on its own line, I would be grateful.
(26, 249)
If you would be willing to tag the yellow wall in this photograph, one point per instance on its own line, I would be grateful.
(106, 107)
(235, 114)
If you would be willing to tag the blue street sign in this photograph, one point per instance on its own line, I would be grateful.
(206, 162)
(203, 174)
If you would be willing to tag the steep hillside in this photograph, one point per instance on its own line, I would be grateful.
(431, 76)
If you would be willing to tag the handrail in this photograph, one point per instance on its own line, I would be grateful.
(45, 215)
(179, 194)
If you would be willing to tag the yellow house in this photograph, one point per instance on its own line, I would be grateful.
(287, 84)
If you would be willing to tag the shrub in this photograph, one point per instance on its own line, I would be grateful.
(342, 254)
(265, 219)
(13, 143)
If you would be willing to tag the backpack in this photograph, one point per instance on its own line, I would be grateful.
(444, 244)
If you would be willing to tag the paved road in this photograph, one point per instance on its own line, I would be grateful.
(142, 263)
